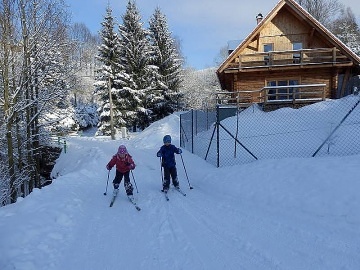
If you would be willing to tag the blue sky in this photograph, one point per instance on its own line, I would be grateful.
(203, 26)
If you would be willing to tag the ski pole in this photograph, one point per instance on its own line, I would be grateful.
(107, 182)
(162, 177)
(185, 172)
(137, 191)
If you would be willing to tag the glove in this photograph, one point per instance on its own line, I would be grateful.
(108, 167)
(158, 154)
(179, 151)
(132, 166)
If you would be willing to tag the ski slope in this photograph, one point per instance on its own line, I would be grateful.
(294, 213)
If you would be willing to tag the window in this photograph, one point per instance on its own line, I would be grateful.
(271, 92)
(297, 56)
(283, 92)
(267, 48)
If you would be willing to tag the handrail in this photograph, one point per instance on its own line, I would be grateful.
(315, 50)
(295, 86)
(285, 58)
(265, 96)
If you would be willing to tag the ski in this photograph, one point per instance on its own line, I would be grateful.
(112, 201)
(134, 203)
(115, 193)
(165, 194)
(182, 192)
(177, 189)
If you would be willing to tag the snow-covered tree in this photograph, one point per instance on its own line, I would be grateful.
(165, 56)
(108, 55)
(35, 67)
(347, 30)
(84, 49)
(46, 68)
(199, 87)
(338, 19)
(137, 76)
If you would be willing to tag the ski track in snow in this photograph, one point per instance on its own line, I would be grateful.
(211, 228)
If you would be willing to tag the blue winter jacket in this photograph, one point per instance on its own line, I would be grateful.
(167, 154)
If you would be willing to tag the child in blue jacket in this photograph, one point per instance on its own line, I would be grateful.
(166, 153)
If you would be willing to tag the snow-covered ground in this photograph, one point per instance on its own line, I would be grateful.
(293, 213)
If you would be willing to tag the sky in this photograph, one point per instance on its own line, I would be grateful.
(203, 27)
(292, 213)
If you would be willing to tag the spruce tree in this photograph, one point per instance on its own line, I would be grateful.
(167, 59)
(108, 55)
(137, 75)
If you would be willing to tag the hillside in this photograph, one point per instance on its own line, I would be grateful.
(294, 213)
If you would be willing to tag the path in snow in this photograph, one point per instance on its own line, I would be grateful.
(234, 218)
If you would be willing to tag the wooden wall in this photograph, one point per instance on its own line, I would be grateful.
(283, 31)
(256, 81)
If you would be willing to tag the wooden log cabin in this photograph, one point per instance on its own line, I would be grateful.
(289, 59)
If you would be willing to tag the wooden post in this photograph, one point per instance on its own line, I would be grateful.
(111, 112)
(345, 80)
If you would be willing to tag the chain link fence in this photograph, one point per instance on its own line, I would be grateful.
(229, 135)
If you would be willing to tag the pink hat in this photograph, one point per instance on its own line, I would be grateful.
(122, 150)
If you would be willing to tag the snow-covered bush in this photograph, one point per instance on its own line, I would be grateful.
(86, 116)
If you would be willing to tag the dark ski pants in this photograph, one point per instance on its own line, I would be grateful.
(127, 184)
(167, 173)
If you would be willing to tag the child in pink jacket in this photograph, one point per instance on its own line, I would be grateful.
(124, 163)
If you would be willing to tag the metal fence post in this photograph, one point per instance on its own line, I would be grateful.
(65, 145)
(192, 131)
(217, 136)
(181, 138)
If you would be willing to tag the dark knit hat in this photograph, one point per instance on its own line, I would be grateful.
(167, 139)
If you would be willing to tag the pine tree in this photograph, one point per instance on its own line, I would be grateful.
(108, 55)
(137, 76)
(166, 58)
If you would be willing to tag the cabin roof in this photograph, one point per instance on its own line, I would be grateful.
(301, 13)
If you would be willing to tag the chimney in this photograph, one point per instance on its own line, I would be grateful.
(259, 17)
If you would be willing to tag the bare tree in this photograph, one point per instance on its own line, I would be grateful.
(322, 10)
(86, 43)
(34, 63)
(84, 49)
(7, 43)
(222, 55)
(199, 87)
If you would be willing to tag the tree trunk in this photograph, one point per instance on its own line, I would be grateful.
(6, 41)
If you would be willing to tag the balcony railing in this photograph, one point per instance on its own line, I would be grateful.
(289, 94)
(303, 57)
(294, 93)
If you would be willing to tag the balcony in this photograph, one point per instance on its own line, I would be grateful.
(320, 57)
(289, 95)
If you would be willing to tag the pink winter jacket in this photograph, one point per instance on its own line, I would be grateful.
(123, 165)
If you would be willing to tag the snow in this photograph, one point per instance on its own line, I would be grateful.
(293, 213)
